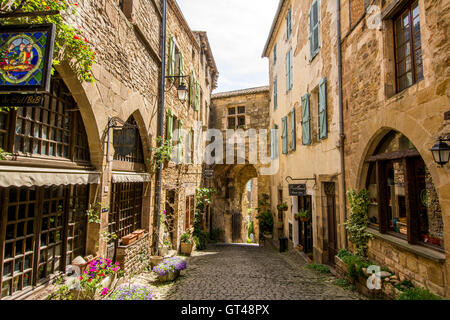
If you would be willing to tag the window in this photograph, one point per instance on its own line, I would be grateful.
(236, 117)
(274, 54)
(137, 155)
(42, 234)
(274, 142)
(289, 70)
(54, 130)
(408, 48)
(403, 199)
(314, 24)
(289, 24)
(126, 208)
(189, 218)
(275, 93)
(306, 120)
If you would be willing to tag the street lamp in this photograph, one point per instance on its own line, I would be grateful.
(181, 89)
(441, 152)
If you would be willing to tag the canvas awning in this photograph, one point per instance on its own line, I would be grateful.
(14, 176)
(121, 177)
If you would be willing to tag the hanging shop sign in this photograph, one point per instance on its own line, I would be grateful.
(124, 140)
(297, 190)
(26, 55)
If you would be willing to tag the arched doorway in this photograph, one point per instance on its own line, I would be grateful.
(403, 199)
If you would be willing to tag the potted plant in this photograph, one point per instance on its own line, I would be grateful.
(282, 207)
(303, 215)
(170, 269)
(186, 242)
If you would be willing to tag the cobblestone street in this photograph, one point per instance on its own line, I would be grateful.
(232, 272)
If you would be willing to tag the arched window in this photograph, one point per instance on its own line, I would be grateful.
(137, 155)
(54, 130)
(403, 199)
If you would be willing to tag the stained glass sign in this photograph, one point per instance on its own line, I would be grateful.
(26, 53)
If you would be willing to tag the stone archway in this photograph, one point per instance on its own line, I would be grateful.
(231, 201)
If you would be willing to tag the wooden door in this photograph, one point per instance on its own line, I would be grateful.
(330, 203)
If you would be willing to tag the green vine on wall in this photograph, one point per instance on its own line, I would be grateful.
(358, 222)
(162, 153)
(70, 42)
(203, 198)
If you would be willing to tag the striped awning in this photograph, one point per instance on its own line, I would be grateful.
(17, 176)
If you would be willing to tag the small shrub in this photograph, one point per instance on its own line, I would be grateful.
(343, 253)
(344, 284)
(131, 292)
(418, 294)
(404, 285)
(319, 267)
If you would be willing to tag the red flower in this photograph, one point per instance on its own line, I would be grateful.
(86, 40)
(76, 37)
(47, 8)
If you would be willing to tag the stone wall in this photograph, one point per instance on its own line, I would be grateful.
(372, 107)
(134, 257)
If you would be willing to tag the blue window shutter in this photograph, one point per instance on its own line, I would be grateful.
(290, 70)
(323, 125)
(284, 135)
(275, 54)
(306, 120)
(293, 131)
(314, 22)
(276, 141)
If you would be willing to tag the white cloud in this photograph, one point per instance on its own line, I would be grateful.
(237, 31)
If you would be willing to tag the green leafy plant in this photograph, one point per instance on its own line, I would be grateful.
(94, 212)
(70, 43)
(203, 199)
(318, 267)
(163, 152)
(282, 207)
(186, 237)
(344, 284)
(358, 222)
(418, 294)
(251, 228)
(343, 253)
(4, 155)
(303, 214)
(404, 285)
(108, 236)
(264, 215)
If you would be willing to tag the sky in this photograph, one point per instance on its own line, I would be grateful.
(237, 32)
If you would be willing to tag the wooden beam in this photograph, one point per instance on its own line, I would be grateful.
(393, 155)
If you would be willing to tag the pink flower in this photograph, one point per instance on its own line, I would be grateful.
(105, 291)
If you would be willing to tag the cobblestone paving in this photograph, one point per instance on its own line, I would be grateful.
(232, 272)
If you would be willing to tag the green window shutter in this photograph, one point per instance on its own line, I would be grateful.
(272, 144)
(276, 141)
(284, 135)
(191, 89)
(323, 125)
(306, 120)
(181, 67)
(189, 146)
(293, 131)
(314, 28)
(169, 125)
(275, 94)
(275, 54)
(180, 141)
(171, 60)
(289, 24)
(197, 95)
(290, 70)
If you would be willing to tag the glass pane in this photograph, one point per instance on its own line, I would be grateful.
(405, 20)
(231, 111)
(18, 265)
(6, 288)
(7, 269)
(241, 110)
(27, 280)
(12, 213)
(28, 262)
(8, 250)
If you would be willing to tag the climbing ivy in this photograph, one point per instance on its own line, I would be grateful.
(358, 222)
(203, 198)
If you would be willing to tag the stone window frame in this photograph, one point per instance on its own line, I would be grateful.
(237, 115)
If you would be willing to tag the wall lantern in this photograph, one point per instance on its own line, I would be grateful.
(441, 152)
(181, 89)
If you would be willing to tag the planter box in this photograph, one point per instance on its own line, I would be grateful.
(129, 239)
(155, 260)
(139, 233)
(170, 277)
(186, 248)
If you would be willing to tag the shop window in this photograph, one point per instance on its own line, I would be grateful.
(403, 199)
(35, 235)
(126, 208)
(54, 130)
(408, 47)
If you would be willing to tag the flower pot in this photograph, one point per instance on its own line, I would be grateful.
(139, 233)
(305, 219)
(129, 239)
(169, 277)
(186, 248)
(155, 260)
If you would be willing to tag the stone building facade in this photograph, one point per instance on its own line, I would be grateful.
(303, 73)
(245, 110)
(63, 159)
(396, 91)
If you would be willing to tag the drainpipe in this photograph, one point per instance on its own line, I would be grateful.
(341, 117)
(158, 187)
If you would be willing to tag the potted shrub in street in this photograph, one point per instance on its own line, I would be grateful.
(186, 242)
(304, 215)
(170, 269)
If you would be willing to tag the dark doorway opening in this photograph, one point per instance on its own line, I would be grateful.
(329, 201)
(305, 233)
